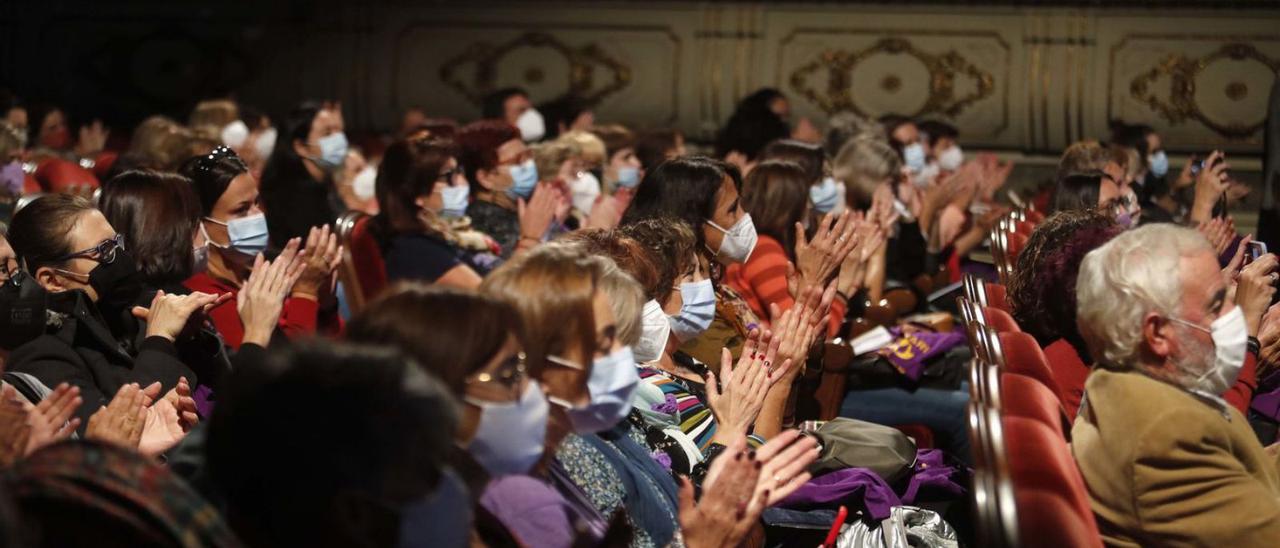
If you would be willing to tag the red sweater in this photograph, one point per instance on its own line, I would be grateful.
(1071, 372)
(762, 281)
(299, 318)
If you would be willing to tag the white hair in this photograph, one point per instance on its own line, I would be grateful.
(1135, 273)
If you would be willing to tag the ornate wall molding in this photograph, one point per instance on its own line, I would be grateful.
(584, 60)
(1182, 72)
(943, 70)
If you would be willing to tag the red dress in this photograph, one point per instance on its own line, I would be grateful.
(300, 317)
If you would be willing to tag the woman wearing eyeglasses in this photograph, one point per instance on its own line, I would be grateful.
(475, 350)
(421, 191)
(92, 283)
(233, 230)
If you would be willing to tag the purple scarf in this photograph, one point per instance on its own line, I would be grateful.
(859, 488)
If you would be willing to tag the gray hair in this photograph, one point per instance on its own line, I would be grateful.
(1135, 273)
(843, 126)
(863, 164)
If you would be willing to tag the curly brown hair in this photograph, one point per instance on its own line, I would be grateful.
(671, 245)
(1042, 290)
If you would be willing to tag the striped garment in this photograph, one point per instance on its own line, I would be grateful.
(685, 403)
(762, 281)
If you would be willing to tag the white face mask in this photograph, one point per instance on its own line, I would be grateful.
(266, 143)
(531, 125)
(739, 240)
(585, 189)
(363, 184)
(1230, 336)
(654, 332)
(235, 134)
(951, 158)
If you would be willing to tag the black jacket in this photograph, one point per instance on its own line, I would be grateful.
(80, 350)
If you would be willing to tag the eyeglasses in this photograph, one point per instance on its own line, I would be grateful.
(104, 252)
(509, 375)
(448, 175)
(207, 162)
(1119, 202)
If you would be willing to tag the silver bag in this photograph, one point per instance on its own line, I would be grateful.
(906, 527)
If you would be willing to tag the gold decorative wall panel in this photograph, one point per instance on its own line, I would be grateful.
(1015, 78)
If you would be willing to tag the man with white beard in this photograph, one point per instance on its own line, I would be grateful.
(1165, 459)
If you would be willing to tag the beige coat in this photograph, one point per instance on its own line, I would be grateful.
(1166, 468)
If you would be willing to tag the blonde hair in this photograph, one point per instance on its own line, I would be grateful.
(552, 287)
(161, 143)
(549, 157)
(626, 295)
(863, 164)
(216, 113)
(591, 147)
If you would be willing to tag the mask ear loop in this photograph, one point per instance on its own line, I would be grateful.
(209, 241)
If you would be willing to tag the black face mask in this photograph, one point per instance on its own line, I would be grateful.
(118, 283)
(22, 310)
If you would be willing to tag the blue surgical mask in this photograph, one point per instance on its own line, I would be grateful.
(524, 178)
(333, 150)
(1159, 163)
(510, 437)
(440, 518)
(455, 201)
(697, 312)
(913, 156)
(628, 177)
(247, 236)
(612, 382)
(824, 195)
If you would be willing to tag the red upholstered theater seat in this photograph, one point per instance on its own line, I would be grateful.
(1023, 396)
(1052, 501)
(364, 274)
(1017, 241)
(1033, 216)
(1070, 372)
(996, 295)
(1000, 320)
(60, 176)
(1022, 355)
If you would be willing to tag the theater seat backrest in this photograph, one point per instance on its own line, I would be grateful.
(1053, 502)
(1022, 355)
(1023, 396)
(364, 273)
(1013, 247)
(995, 295)
(58, 176)
(1000, 320)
